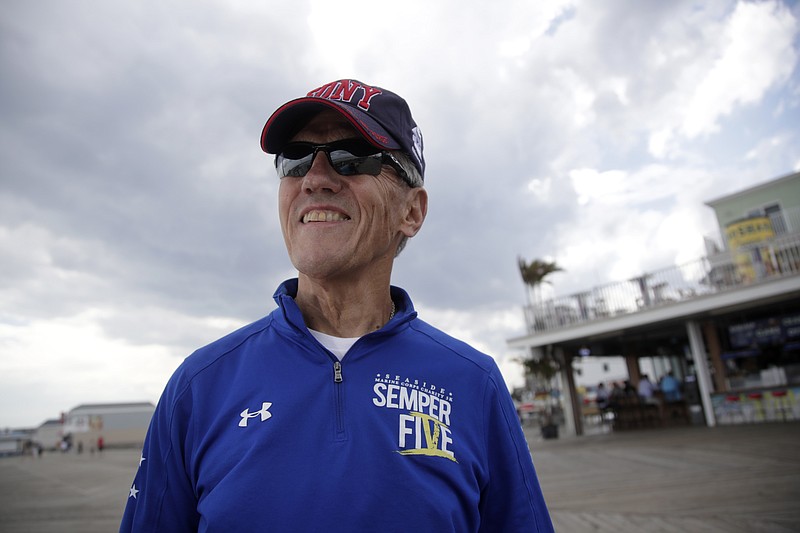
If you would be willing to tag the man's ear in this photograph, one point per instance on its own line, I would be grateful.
(416, 210)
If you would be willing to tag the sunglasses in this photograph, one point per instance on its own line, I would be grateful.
(348, 157)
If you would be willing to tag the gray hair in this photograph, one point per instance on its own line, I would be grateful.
(407, 164)
(414, 180)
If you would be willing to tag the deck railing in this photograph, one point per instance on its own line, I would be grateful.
(756, 263)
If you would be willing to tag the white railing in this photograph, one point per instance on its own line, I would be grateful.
(789, 218)
(757, 263)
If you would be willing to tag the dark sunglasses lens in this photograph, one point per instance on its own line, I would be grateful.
(295, 160)
(297, 150)
(348, 157)
(294, 168)
(356, 147)
(347, 164)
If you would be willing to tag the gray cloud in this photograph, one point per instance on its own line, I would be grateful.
(134, 197)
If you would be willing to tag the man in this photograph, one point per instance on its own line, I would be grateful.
(340, 410)
(646, 389)
(670, 387)
(601, 399)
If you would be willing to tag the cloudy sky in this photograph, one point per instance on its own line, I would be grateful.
(138, 214)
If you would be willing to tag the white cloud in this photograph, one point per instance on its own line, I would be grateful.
(486, 330)
(541, 188)
(58, 363)
(737, 61)
(52, 366)
(632, 222)
(765, 147)
(661, 143)
(622, 188)
(757, 54)
(592, 185)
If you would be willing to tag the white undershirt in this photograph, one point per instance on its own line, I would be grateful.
(338, 346)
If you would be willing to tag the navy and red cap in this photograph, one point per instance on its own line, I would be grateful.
(382, 117)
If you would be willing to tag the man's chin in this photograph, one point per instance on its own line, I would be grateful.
(320, 265)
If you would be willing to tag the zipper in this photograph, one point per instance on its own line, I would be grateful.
(339, 401)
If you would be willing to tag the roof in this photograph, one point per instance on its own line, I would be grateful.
(16, 434)
(766, 184)
(98, 408)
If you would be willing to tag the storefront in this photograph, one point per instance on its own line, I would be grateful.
(762, 364)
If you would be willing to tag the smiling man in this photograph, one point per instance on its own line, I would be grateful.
(341, 410)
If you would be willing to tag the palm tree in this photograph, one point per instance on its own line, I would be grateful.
(545, 366)
(534, 274)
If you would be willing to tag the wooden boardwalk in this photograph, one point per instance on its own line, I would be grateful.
(726, 479)
(694, 479)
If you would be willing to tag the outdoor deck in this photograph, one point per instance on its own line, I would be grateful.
(727, 479)
(690, 479)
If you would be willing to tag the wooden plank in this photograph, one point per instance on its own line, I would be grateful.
(725, 479)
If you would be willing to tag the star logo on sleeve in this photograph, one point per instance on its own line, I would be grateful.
(134, 492)
(141, 460)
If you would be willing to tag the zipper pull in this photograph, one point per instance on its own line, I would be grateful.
(337, 372)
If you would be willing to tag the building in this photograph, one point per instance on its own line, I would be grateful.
(15, 441)
(119, 424)
(48, 435)
(726, 325)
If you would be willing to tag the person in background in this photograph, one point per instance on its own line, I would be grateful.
(601, 399)
(670, 387)
(629, 390)
(646, 389)
(341, 410)
(617, 395)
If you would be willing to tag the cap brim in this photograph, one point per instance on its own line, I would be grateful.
(290, 118)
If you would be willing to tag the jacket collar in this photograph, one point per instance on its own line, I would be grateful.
(292, 317)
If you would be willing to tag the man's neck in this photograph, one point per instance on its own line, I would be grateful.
(344, 308)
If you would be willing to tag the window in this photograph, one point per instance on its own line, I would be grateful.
(775, 215)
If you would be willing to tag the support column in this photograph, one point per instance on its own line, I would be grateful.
(701, 367)
(634, 374)
(567, 388)
(715, 354)
(574, 407)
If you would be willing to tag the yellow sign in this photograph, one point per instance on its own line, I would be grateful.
(743, 238)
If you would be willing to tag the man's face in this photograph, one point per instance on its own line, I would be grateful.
(343, 226)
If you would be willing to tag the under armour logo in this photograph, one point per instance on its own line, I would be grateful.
(264, 413)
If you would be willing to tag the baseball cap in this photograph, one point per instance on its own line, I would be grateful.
(382, 117)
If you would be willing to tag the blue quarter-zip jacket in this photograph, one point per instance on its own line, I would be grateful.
(264, 430)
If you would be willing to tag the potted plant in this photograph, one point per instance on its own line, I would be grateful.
(543, 369)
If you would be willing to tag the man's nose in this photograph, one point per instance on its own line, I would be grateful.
(321, 175)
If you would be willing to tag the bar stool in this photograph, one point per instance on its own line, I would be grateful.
(782, 403)
(756, 398)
